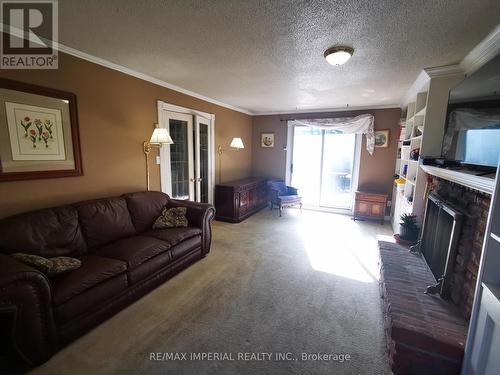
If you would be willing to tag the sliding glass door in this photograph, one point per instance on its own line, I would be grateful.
(323, 166)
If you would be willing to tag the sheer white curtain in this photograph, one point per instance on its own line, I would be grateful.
(362, 124)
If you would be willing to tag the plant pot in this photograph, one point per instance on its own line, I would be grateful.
(408, 233)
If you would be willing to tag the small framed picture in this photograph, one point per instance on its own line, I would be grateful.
(38, 132)
(267, 140)
(382, 138)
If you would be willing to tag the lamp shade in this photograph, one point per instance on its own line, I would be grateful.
(237, 143)
(161, 137)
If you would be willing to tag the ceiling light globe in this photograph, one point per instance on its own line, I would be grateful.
(338, 55)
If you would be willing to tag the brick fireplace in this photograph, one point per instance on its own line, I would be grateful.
(474, 205)
(426, 333)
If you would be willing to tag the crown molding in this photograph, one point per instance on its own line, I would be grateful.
(131, 72)
(444, 71)
(417, 86)
(424, 78)
(485, 51)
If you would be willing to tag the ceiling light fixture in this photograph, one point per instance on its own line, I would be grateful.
(338, 55)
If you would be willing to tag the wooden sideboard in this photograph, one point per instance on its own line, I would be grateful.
(237, 200)
(370, 205)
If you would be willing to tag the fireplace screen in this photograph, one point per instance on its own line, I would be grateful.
(439, 241)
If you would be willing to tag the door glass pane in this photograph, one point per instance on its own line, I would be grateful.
(179, 160)
(336, 177)
(204, 162)
(307, 163)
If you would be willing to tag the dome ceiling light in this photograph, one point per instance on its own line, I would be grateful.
(338, 55)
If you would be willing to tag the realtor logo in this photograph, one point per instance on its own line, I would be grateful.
(29, 34)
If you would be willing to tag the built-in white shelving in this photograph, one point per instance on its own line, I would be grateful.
(409, 150)
(422, 132)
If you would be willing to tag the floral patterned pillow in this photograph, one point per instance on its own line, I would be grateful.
(172, 218)
(49, 266)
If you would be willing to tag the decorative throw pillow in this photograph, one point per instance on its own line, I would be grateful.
(49, 266)
(64, 264)
(40, 263)
(172, 218)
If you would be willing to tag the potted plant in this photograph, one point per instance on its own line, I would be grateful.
(408, 228)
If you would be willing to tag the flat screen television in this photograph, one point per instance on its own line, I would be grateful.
(480, 147)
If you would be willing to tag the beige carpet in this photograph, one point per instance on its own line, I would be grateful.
(303, 283)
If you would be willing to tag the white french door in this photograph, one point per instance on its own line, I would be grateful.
(203, 160)
(324, 165)
(186, 166)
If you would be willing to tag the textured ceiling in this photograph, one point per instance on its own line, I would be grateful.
(267, 56)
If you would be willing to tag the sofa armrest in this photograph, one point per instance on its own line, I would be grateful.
(292, 191)
(25, 293)
(199, 215)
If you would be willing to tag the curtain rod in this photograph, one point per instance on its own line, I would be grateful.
(318, 116)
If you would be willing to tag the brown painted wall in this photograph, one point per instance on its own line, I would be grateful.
(376, 170)
(116, 113)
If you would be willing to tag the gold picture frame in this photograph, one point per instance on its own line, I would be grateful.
(267, 140)
(382, 138)
(38, 132)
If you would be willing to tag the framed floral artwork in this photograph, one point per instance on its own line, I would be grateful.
(267, 140)
(38, 132)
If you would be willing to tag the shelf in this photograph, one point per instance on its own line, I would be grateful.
(406, 180)
(468, 179)
(495, 237)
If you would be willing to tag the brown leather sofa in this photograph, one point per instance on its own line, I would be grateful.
(122, 259)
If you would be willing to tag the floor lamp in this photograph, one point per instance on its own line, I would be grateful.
(236, 144)
(159, 138)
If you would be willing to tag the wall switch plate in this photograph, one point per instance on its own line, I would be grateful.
(158, 160)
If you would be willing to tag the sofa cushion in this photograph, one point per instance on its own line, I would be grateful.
(134, 250)
(104, 221)
(48, 233)
(150, 267)
(90, 299)
(145, 207)
(162, 261)
(173, 235)
(94, 270)
(290, 198)
(181, 249)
